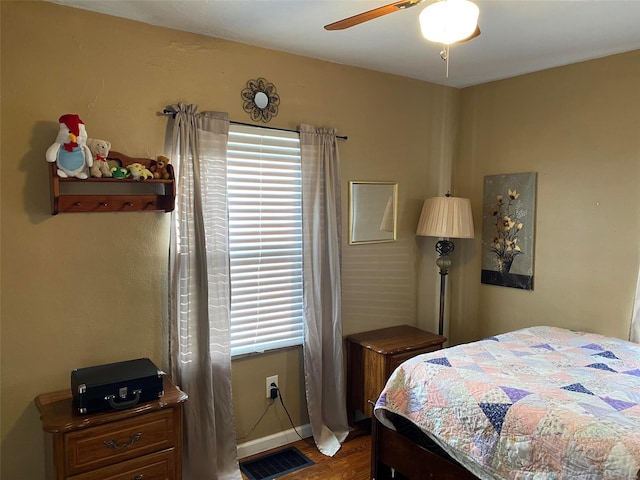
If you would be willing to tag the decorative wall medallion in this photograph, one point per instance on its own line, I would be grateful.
(260, 100)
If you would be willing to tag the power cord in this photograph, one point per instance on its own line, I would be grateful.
(275, 393)
(289, 416)
(271, 402)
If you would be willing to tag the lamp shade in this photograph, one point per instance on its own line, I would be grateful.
(449, 21)
(447, 217)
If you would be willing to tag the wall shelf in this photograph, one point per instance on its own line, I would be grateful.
(112, 195)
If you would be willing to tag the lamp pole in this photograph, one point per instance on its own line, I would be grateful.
(444, 248)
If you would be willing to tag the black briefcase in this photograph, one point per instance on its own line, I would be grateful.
(117, 385)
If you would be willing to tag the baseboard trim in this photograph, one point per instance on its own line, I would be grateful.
(276, 440)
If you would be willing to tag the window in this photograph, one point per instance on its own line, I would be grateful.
(265, 238)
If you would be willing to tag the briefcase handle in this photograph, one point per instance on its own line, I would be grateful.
(122, 405)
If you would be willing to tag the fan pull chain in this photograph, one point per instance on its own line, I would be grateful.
(444, 55)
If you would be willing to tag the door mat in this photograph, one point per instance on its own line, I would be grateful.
(275, 464)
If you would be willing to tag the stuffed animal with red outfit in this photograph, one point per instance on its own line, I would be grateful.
(159, 167)
(70, 152)
(99, 150)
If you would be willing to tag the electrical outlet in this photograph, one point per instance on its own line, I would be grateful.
(270, 380)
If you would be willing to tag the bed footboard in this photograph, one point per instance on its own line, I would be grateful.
(390, 450)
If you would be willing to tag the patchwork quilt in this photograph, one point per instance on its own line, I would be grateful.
(536, 403)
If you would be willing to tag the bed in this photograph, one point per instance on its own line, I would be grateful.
(536, 403)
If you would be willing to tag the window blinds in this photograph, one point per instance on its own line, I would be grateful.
(265, 238)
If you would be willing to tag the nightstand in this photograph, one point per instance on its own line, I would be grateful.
(141, 442)
(373, 356)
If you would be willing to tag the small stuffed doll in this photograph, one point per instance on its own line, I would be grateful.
(70, 151)
(99, 150)
(159, 168)
(120, 172)
(139, 171)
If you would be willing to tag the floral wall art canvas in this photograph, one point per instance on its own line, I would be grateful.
(508, 221)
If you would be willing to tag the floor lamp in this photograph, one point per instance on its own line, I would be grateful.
(445, 217)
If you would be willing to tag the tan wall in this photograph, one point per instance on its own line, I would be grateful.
(82, 289)
(577, 126)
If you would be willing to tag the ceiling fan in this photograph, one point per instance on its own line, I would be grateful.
(443, 21)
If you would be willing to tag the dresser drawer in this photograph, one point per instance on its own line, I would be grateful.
(104, 445)
(155, 466)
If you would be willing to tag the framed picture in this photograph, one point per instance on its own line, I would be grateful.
(508, 228)
(373, 208)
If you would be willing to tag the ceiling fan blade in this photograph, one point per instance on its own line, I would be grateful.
(371, 14)
(472, 36)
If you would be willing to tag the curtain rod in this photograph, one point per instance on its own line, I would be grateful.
(167, 112)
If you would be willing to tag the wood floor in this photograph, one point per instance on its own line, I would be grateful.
(352, 462)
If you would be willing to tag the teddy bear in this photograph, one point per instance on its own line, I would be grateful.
(139, 171)
(159, 168)
(99, 150)
(70, 152)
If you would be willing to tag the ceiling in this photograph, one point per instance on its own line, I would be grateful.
(518, 36)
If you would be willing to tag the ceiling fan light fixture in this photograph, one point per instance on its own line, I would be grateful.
(449, 21)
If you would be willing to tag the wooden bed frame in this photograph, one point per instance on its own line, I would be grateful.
(403, 454)
(391, 451)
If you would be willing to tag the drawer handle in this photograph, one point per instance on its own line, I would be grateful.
(121, 405)
(133, 438)
(138, 477)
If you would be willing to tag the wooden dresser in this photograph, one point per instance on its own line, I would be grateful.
(140, 443)
(373, 356)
